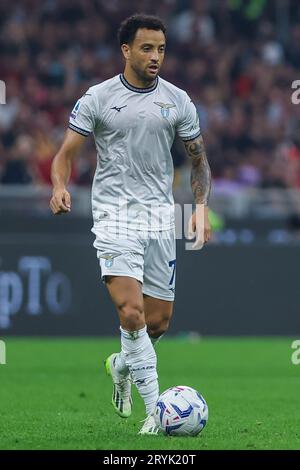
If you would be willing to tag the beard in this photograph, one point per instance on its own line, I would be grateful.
(143, 75)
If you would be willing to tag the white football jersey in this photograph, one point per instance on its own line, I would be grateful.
(134, 129)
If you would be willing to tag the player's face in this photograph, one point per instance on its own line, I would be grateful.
(146, 53)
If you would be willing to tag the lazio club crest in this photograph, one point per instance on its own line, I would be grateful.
(109, 259)
(164, 108)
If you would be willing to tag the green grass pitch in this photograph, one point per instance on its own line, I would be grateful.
(54, 394)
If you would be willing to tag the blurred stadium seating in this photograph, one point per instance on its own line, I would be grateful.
(236, 58)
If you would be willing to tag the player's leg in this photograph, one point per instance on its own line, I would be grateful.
(158, 289)
(158, 314)
(126, 293)
(121, 257)
(159, 282)
(137, 352)
(122, 290)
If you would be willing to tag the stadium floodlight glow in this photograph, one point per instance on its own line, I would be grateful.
(2, 92)
(2, 352)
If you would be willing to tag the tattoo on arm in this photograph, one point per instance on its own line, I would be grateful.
(200, 175)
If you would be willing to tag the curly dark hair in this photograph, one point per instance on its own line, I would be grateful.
(129, 27)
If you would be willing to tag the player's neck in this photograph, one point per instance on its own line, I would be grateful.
(135, 81)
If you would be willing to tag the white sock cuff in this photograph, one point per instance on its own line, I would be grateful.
(133, 334)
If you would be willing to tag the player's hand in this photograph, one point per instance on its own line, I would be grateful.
(61, 201)
(199, 227)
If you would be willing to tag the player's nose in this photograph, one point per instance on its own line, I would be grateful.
(154, 57)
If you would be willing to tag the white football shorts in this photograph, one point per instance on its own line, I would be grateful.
(149, 257)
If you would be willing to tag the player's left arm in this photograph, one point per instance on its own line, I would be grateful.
(199, 224)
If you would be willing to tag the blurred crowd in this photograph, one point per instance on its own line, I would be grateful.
(236, 58)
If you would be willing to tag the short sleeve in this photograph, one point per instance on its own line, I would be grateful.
(188, 127)
(82, 118)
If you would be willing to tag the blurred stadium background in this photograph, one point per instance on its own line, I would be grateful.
(237, 59)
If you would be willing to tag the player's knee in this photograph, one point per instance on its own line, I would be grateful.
(131, 315)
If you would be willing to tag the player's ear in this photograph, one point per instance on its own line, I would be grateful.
(126, 51)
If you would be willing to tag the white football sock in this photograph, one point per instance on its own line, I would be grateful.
(120, 364)
(140, 358)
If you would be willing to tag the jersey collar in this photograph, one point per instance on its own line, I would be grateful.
(138, 90)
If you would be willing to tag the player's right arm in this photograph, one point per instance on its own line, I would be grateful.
(60, 202)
